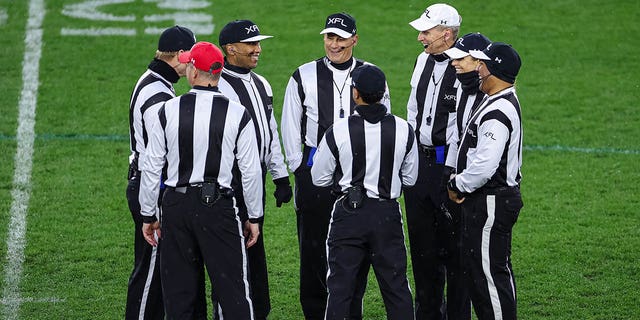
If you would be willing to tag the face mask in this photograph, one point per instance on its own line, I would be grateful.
(470, 81)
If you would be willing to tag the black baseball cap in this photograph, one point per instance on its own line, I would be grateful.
(368, 79)
(501, 59)
(240, 31)
(470, 41)
(342, 24)
(175, 39)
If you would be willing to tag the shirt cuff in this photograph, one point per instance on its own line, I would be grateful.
(149, 219)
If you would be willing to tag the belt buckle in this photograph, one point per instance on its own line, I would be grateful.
(429, 151)
(182, 190)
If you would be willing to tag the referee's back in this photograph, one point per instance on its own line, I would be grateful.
(200, 136)
(371, 149)
(370, 155)
(204, 133)
(379, 156)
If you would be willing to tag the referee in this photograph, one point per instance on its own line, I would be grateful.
(431, 217)
(371, 154)
(488, 184)
(240, 41)
(469, 95)
(199, 136)
(144, 294)
(317, 95)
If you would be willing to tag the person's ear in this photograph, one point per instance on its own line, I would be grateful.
(355, 93)
(228, 49)
(194, 73)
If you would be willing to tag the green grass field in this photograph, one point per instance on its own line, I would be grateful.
(576, 245)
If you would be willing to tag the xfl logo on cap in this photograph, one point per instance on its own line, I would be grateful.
(336, 21)
(498, 60)
(253, 28)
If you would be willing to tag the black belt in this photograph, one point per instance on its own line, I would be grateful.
(504, 190)
(428, 150)
(224, 192)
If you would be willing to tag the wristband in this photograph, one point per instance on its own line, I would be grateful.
(149, 219)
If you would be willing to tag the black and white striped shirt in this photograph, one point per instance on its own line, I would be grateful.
(313, 99)
(254, 92)
(153, 87)
(199, 135)
(490, 153)
(380, 156)
(431, 108)
(467, 101)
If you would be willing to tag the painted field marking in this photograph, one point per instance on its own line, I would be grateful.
(4, 16)
(581, 150)
(32, 300)
(89, 10)
(98, 32)
(117, 137)
(200, 23)
(21, 191)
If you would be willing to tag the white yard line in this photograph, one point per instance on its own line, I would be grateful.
(23, 161)
(3, 16)
(98, 32)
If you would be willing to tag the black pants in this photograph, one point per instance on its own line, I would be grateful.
(435, 246)
(144, 292)
(195, 235)
(258, 271)
(313, 210)
(258, 280)
(372, 235)
(488, 220)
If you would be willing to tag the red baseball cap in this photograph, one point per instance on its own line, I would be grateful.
(204, 55)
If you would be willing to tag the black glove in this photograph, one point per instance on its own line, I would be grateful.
(446, 176)
(283, 191)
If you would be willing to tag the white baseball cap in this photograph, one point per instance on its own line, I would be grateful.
(435, 15)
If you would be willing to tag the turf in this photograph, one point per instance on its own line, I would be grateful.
(575, 246)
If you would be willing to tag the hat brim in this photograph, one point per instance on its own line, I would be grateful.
(185, 57)
(479, 55)
(422, 24)
(256, 38)
(341, 33)
(455, 53)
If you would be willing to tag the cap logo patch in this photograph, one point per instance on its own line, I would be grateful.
(498, 60)
(337, 21)
(252, 28)
(443, 21)
(426, 13)
(460, 42)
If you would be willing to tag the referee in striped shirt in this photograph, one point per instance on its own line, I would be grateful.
(431, 110)
(488, 184)
(144, 294)
(469, 95)
(240, 41)
(317, 95)
(199, 136)
(371, 155)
